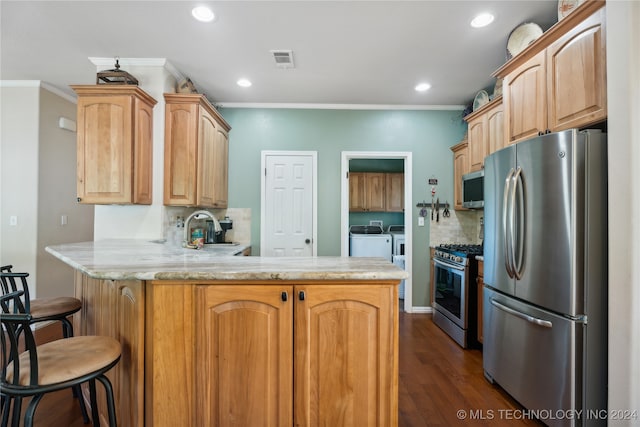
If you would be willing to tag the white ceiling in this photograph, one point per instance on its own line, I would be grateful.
(346, 52)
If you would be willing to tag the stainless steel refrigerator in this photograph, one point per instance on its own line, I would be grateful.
(545, 275)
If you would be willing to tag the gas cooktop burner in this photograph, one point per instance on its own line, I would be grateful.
(466, 249)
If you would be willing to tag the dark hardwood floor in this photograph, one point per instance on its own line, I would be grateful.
(440, 384)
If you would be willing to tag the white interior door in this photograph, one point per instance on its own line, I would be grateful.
(288, 204)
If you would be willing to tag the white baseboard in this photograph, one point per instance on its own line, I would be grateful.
(421, 309)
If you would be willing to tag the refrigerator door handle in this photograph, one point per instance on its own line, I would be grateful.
(517, 220)
(530, 319)
(506, 215)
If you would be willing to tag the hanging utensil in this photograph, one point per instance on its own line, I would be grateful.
(445, 212)
(432, 209)
(438, 210)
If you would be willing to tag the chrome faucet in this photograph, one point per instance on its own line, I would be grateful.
(196, 214)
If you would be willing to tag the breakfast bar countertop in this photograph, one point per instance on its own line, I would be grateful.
(132, 259)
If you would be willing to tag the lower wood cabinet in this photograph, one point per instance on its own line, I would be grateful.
(273, 355)
(116, 309)
(231, 353)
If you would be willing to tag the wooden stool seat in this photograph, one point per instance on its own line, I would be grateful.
(42, 308)
(68, 359)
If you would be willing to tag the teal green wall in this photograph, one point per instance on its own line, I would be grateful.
(427, 134)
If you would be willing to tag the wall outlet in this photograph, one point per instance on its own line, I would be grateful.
(420, 221)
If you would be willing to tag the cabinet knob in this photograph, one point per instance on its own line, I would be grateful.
(307, 241)
(284, 296)
(301, 295)
(78, 199)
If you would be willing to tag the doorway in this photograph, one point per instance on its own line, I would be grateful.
(288, 218)
(406, 157)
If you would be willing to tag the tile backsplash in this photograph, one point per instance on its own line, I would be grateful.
(460, 227)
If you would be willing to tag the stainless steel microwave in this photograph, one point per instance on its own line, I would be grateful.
(473, 190)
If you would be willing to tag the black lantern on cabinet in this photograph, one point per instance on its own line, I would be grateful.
(116, 77)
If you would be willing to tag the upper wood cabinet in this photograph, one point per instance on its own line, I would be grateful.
(460, 167)
(196, 153)
(486, 132)
(394, 192)
(115, 140)
(367, 191)
(559, 81)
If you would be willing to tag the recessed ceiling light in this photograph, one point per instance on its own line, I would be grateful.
(482, 20)
(422, 87)
(203, 13)
(243, 83)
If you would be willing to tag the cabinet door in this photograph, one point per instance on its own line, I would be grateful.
(221, 169)
(375, 192)
(478, 142)
(105, 149)
(116, 309)
(576, 75)
(495, 128)
(525, 100)
(180, 150)
(394, 192)
(243, 362)
(207, 141)
(346, 359)
(460, 167)
(143, 153)
(356, 191)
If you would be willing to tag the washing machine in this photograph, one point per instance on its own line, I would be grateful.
(397, 250)
(369, 241)
(397, 239)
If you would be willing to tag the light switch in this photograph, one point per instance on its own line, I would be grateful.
(63, 220)
(420, 221)
(13, 220)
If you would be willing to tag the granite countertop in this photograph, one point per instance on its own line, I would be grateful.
(124, 259)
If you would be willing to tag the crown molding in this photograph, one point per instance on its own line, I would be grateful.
(41, 84)
(138, 62)
(223, 104)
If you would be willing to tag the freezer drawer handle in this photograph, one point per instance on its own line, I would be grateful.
(531, 319)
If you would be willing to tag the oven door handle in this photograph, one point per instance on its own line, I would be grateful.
(447, 265)
(528, 318)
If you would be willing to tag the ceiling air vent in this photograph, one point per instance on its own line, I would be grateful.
(283, 58)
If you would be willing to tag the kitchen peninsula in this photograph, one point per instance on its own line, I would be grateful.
(212, 339)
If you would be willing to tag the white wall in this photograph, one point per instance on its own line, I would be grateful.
(57, 196)
(38, 184)
(19, 176)
(141, 221)
(623, 87)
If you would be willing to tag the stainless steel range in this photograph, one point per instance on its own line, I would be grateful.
(455, 299)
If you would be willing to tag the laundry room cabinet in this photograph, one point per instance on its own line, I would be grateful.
(366, 192)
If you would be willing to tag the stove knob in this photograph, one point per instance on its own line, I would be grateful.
(458, 259)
